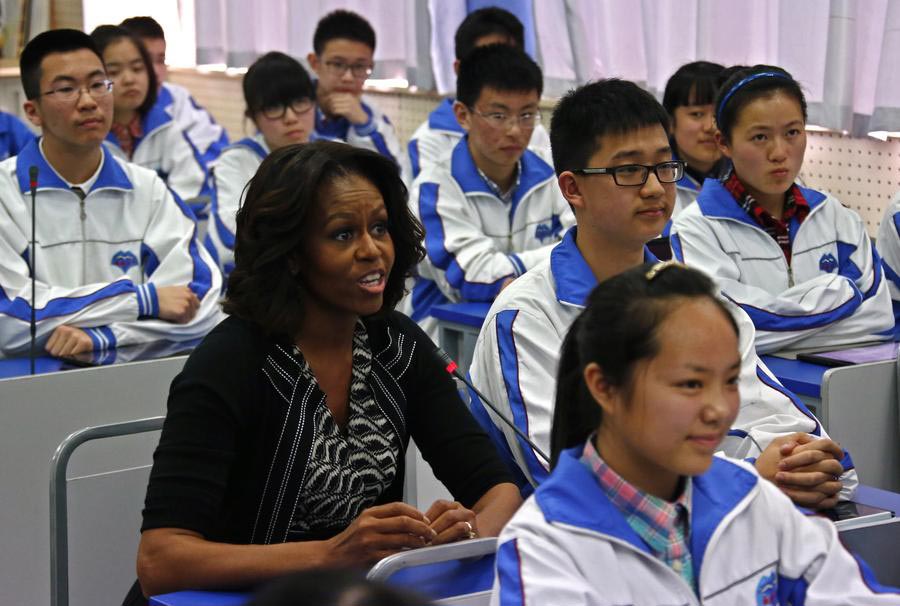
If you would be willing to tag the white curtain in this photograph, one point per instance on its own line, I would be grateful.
(236, 32)
(843, 52)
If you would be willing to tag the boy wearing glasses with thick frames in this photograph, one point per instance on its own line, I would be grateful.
(490, 209)
(612, 158)
(118, 261)
(280, 100)
(344, 48)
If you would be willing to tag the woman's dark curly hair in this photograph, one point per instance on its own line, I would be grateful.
(271, 226)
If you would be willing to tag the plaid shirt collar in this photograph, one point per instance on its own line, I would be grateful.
(663, 526)
(507, 195)
(795, 207)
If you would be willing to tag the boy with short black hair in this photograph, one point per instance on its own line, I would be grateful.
(490, 209)
(342, 58)
(614, 165)
(441, 132)
(117, 258)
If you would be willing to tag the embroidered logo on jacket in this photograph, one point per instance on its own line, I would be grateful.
(545, 231)
(767, 591)
(124, 260)
(828, 263)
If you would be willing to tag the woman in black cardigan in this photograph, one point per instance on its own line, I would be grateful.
(284, 443)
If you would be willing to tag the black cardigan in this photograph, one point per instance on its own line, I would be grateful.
(224, 419)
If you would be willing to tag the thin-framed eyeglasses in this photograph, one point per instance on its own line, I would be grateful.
(525, 120)
(360, 71)
(277, 112)
(627, 175)
(67, 92)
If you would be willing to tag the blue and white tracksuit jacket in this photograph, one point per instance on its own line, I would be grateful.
(517, 354)
(230, 174)
(569, 544)
(100, 260)
(180, 154)
(832, 293)
(888, 244)
(377, 134)
(474, 240)
(14, 135)
(441, 132)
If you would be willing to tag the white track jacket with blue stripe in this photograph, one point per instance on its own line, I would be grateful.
(568, 544)
(100, 260)
(832, 293)
(474, 240)
(517, 354)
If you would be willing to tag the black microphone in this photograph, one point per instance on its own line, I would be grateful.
(451, 367)
(33, 179)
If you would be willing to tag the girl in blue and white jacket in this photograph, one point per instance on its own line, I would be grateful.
(145, 132)
(280, 99)
(637, 509)
(798, 262)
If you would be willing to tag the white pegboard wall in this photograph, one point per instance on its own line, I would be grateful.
(862, 173)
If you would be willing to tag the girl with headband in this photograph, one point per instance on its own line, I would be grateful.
(636, 509)
(798, 262)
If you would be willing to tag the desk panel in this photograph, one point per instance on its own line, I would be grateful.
(36, 414)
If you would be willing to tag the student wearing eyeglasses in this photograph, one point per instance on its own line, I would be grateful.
(280, 101)
(342, 59)
(117, 259)
(613, 161)
(490, 208)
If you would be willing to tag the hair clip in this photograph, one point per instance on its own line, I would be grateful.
(661, 266)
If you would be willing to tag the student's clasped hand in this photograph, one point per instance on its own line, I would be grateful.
(347, 105)
(805, 468)
(68, 341)
(177, 304)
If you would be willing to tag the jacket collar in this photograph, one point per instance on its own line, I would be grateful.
(443, 118)
(256, 144)
(462, 167)
(716, 202)
(571, 495)
(111, 176)
(573, 277)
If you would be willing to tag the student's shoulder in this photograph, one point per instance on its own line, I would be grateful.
(531, 294)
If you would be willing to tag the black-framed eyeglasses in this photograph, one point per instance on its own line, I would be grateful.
(505, 121)
(339, 68)
(299, 107)
(68, 92)
(637, 174)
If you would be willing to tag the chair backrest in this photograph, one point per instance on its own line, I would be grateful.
(110, 503)
(445, 572)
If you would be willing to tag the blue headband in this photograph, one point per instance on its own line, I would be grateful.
(741, 84)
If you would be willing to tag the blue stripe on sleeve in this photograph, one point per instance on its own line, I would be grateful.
(476, 407)
(441, 258)
(509, 366)
(675, 244)
(519, 264)
(205, 189)
(868, 578)
(876, 276)
(767, 320)
(413, 148)
(20, 309)
(847, 461)
(381, 146)
(225, 235)
(509, 574)
(201, 278)
(102, 338)
(149, 260)
(798, 403)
